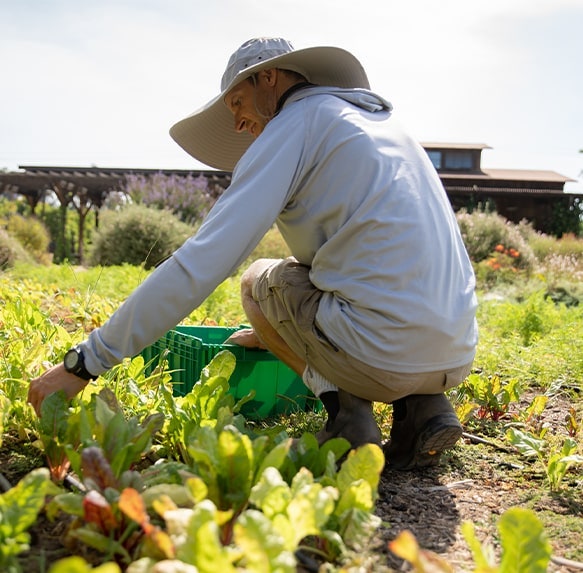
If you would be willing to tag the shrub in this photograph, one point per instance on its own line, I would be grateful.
(31, 233)
(63, 240)
(11, 251)
(545, 246)
(485, 234)
(137, 235)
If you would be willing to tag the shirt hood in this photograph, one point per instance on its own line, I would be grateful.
(362, 98)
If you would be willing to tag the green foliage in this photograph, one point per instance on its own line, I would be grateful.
(525, 548)
(19, 508)
(535, 341)
(489, 395)
(31, 233)
(556, 462)
(232, 493)
(11, 251)
(543, 246)
(566, 216)
(53, 428)
(79, 565)
(63, 233)
(137, 235)
(236, 508)
(483, 232)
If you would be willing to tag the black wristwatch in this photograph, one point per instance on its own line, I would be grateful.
(75, 364)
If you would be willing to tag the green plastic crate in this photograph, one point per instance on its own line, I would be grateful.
(278, 389)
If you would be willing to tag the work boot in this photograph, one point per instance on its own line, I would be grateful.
(354, 422)
(423, 426)
(332, 406)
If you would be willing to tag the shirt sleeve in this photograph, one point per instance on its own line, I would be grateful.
(262, 184)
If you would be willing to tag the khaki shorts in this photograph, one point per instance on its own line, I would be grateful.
(290, 302)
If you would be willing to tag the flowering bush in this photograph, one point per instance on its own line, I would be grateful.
(189, 198)
(489, 235)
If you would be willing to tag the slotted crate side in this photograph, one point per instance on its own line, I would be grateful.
(278, 389)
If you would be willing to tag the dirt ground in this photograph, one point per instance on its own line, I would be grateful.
(475, 482)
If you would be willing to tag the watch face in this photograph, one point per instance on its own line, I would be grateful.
(71, 360)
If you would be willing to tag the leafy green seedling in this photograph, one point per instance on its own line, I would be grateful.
(19, 508)
(555, 463)
(54, 434)
(525, 549)
(492, 396)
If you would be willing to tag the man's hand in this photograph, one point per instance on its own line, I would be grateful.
(53, 380)
(246, 337)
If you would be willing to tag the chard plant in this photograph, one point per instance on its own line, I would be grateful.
(573, 423)
(555, 462)
(250, 497)
(489, 395)
(19, 508)
(524, 547)
(55, 434)
(110, 511)
(77, 564)
(208, 404)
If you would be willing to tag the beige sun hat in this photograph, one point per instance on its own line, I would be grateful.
(209, 133)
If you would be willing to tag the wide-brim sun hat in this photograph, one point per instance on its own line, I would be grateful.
(209, 135)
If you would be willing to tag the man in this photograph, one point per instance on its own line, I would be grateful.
(377, 303)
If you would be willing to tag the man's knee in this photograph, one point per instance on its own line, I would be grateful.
(249, 276)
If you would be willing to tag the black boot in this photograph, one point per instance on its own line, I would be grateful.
(423, 426)
(355, 422)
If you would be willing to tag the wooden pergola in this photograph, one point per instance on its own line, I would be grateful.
(85, 188)
(516, 194)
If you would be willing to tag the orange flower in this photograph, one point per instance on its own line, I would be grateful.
(499, 248)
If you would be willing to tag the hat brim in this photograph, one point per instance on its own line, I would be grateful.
(209, 135)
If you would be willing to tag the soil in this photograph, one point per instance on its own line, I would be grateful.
(476, 481)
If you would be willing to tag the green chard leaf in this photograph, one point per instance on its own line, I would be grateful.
(222, 365)
(262, 547)
(19, 508)
(202, 545)
(367, 463)
(525, 549)
(271, 493)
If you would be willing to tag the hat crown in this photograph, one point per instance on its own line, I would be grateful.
(251, 53)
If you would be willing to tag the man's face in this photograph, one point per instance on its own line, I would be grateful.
(252, 104)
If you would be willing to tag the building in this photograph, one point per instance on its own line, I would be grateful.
(537, 196)
(516, 194)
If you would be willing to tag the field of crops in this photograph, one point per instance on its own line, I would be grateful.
(129, 477)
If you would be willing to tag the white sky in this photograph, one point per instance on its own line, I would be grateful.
(100, 82)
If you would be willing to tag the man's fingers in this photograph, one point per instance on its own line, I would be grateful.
(245, 337)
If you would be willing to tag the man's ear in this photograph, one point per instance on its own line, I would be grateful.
(270, 76)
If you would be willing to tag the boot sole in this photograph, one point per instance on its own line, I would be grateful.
(439, 433)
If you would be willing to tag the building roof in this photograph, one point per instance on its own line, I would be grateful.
(527, 175)
(442, 145)
(506, 175)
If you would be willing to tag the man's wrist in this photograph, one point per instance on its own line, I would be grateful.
(74, 362)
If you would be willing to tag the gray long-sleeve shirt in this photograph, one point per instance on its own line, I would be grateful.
(357, 200)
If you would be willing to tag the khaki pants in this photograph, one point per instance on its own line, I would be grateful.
(290, 302)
